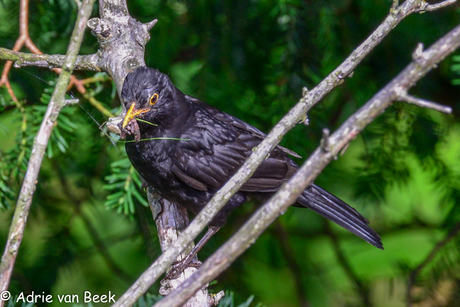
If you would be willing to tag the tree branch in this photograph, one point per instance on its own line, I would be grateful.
(433, 7)
(57, 102)
(288, 194)
(20, 59)
(170, 220)
(425, 103)
(23, 39)
(294, 116)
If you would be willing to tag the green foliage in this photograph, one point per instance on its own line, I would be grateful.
(456, 69)
(124, 183)
(229, 301)
(62, 130)
(14, 161)
(6, 193)
(12, 303)
(147, 300)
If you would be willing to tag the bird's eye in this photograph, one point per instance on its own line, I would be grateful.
(154, 99)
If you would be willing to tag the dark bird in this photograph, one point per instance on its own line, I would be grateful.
(187, 150)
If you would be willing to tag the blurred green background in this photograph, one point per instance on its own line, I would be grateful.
(89, 230)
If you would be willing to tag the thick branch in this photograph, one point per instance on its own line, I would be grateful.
(122, 40)
(170, 220)
(57, 102)
(296, 114)
(288, 194)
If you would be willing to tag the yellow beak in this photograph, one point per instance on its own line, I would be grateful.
(132, 113)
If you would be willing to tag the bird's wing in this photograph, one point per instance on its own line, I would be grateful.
(237, 123)
(218, 146)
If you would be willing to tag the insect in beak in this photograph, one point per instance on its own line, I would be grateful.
(132, 113)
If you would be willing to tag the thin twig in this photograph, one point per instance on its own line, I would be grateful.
(98, 105)
(437, 6)
(22, 39)
(325, 143)
(425, 104)
(57, 102)
(83, 62)
(95, 79)
(289, 192)
(296, 114)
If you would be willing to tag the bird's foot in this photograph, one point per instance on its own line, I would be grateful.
(191, 260)
(179, 266)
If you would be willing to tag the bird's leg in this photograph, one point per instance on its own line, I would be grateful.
(178, 267)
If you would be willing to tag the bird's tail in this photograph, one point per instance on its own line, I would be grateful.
(332, 208)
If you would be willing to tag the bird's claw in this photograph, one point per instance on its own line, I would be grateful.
(179, 266)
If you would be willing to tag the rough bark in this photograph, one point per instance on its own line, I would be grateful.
(170, 220)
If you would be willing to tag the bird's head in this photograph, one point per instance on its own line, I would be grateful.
(146, 92)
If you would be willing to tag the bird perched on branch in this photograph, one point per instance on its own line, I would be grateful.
(187, 150)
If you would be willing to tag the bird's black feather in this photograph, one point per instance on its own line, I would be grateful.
(207, 148)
